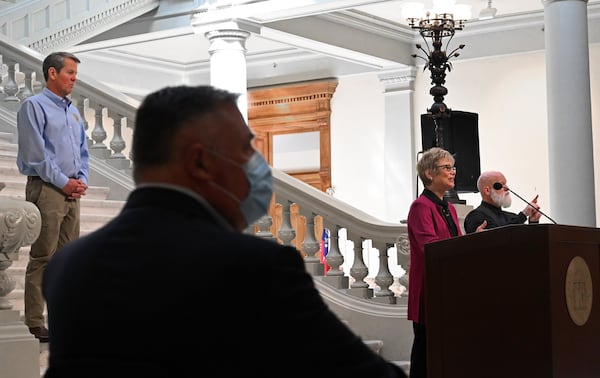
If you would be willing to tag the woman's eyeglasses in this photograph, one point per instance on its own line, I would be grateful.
(447, 167)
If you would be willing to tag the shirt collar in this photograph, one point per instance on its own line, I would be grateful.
(56, 98)
(218, 217)
(435, 199)
(492, 207)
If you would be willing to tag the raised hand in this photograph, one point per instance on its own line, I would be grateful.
(481, 227)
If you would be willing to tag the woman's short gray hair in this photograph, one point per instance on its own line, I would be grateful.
(429, 161)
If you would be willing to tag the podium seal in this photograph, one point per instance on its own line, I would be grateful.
(579, 291)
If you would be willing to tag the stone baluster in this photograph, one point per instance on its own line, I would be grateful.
(117, 143)
(286, 233)
(28, 88)
(11, 88)
(384, 278)
(81, 106)
(38, 84)
(3, 70)
(20, 224)
(99, 134)
(264, 228)
(334, 258)
(128, 132)
(403, 253)
(359, 271)
(335, 276)
(311, 246)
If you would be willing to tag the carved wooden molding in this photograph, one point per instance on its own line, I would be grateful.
(294, 108)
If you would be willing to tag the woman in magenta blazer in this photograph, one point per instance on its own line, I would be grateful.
(430, 218)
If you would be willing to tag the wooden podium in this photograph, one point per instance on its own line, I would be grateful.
(520, 301)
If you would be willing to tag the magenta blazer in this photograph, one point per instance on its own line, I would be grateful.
(425, 225)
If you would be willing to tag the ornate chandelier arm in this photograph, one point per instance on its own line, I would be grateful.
(454, 53)
(448, 42)
(425, 59)
(426, 52)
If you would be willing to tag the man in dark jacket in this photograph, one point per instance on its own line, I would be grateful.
(172, 287)
(495, 196)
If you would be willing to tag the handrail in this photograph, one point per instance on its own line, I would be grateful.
(356, 299)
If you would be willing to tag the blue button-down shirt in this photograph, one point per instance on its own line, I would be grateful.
(52, 140)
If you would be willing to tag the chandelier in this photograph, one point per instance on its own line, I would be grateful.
(436, 24)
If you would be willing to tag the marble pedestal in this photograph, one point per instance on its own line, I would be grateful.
(20, 224)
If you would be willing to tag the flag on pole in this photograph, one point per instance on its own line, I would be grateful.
(325, 248)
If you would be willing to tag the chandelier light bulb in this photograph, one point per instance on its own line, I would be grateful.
(488, 13)
(413, 10)
(443, 6)
(462, 12)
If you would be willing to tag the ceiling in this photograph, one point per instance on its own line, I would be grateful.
(295, 40)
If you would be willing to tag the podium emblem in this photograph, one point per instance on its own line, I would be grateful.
(578, 290)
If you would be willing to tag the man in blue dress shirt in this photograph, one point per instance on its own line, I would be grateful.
(53, 154)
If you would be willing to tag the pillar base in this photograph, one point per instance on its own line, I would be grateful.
(19, 350)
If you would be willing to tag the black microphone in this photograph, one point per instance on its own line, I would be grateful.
(499, 186)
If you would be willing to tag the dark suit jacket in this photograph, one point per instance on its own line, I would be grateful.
(494, 216)
(425, 224)
(164, 290)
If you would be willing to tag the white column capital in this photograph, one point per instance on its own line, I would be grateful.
(229, 33)
(398, 80)
(228, 60)
(227, 38)
(546, 2)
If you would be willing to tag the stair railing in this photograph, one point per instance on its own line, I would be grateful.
(49, 25)
(299, 212)
(102, 106)
(105, 106)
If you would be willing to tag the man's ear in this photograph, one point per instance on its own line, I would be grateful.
(195, 162)
(52, 73)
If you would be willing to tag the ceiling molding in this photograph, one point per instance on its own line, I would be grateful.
(338, 43)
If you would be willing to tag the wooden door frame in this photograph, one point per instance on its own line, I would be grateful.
(290, 109)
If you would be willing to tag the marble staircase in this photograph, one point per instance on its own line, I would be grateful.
(96, 210)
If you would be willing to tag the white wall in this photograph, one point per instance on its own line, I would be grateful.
(357, 131)
(508, 93)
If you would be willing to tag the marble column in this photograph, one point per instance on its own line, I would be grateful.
(570, 148)
(399, 144)
(20, 224)
(228, 61)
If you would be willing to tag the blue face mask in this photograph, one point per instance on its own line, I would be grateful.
(259, 176)
(260, 181)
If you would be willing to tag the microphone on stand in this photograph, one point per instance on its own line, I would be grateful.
(499, 186)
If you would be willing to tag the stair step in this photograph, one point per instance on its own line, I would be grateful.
(96, 211)
(103, 206)
(9, 149)
(8, 157)
(6, 136)
(9, 169)
(375, 345)
(404, 365)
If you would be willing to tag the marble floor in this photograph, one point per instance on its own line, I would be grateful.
(44, 360)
